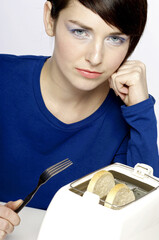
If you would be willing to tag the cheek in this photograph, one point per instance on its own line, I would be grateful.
(116, 59)
(66, 50)
(116, 62)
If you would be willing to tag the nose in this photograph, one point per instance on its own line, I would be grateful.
(94, 53)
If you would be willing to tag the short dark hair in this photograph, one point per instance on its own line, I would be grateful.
(129, 16)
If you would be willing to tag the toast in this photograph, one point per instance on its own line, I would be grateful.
(119, 196)
(101, 183)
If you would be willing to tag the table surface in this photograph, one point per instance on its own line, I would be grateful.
(31, 219)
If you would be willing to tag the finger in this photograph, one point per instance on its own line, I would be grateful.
(121, 90)
(126, 79)
(2, 235)
(111, 85)
(130, 62)
(14, 205)
(9, 215)
(6, 226)
(133, 65)
(125, 70)
(118, 86)
(120, 83)
(127, 64)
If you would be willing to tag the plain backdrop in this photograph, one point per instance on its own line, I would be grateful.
(22, 32)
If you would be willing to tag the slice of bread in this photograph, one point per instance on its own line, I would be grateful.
(101, 183)
(119, 195)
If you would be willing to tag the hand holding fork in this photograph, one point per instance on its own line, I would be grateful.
(8, 212)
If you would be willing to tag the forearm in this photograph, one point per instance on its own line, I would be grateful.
(141, 144)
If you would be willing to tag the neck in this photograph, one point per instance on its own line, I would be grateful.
(67, 103)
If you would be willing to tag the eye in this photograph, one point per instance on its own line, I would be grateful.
(80, 33)
(115, 40)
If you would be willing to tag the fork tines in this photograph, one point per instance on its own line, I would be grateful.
(56, 168)
(44, 177)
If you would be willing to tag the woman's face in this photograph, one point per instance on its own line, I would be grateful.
(87, 50)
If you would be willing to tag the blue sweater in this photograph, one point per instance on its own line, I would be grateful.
(32, 139)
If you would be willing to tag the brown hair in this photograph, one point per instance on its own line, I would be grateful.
(129, 16)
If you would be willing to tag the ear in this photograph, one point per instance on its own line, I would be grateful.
(48, 20)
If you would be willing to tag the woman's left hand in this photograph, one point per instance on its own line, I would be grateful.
(129, 82)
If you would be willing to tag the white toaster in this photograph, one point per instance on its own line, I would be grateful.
(77, 214)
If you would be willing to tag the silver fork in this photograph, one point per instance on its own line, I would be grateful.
(44, 177)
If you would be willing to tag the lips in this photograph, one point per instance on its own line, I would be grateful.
(88, 74)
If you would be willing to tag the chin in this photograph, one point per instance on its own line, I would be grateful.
(87, 87)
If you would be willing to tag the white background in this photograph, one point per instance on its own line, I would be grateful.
(22, 32)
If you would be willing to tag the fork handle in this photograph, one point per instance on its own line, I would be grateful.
(27, 199)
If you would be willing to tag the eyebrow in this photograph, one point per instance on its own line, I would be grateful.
(90, 29)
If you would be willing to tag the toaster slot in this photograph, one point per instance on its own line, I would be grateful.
(80, 188)
(140, 189)
(131, 182)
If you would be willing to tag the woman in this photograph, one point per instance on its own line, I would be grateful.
(62, 106)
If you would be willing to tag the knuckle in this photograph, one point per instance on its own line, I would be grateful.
(7, 212)
(5, 225)
(138, 62)
(143, 66)
(8, 227)
(138, 69)
(115, 79)
(140, 65)
(137, 75)
(11, 229)
(3, 211)
(114, 76)
(17, 221)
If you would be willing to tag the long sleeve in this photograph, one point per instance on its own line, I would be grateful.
(141, 144)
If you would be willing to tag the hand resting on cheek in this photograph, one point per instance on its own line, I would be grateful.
(129, 82)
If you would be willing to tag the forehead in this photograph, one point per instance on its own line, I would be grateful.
(77, 12)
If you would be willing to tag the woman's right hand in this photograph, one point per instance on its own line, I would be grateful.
(8, 218)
